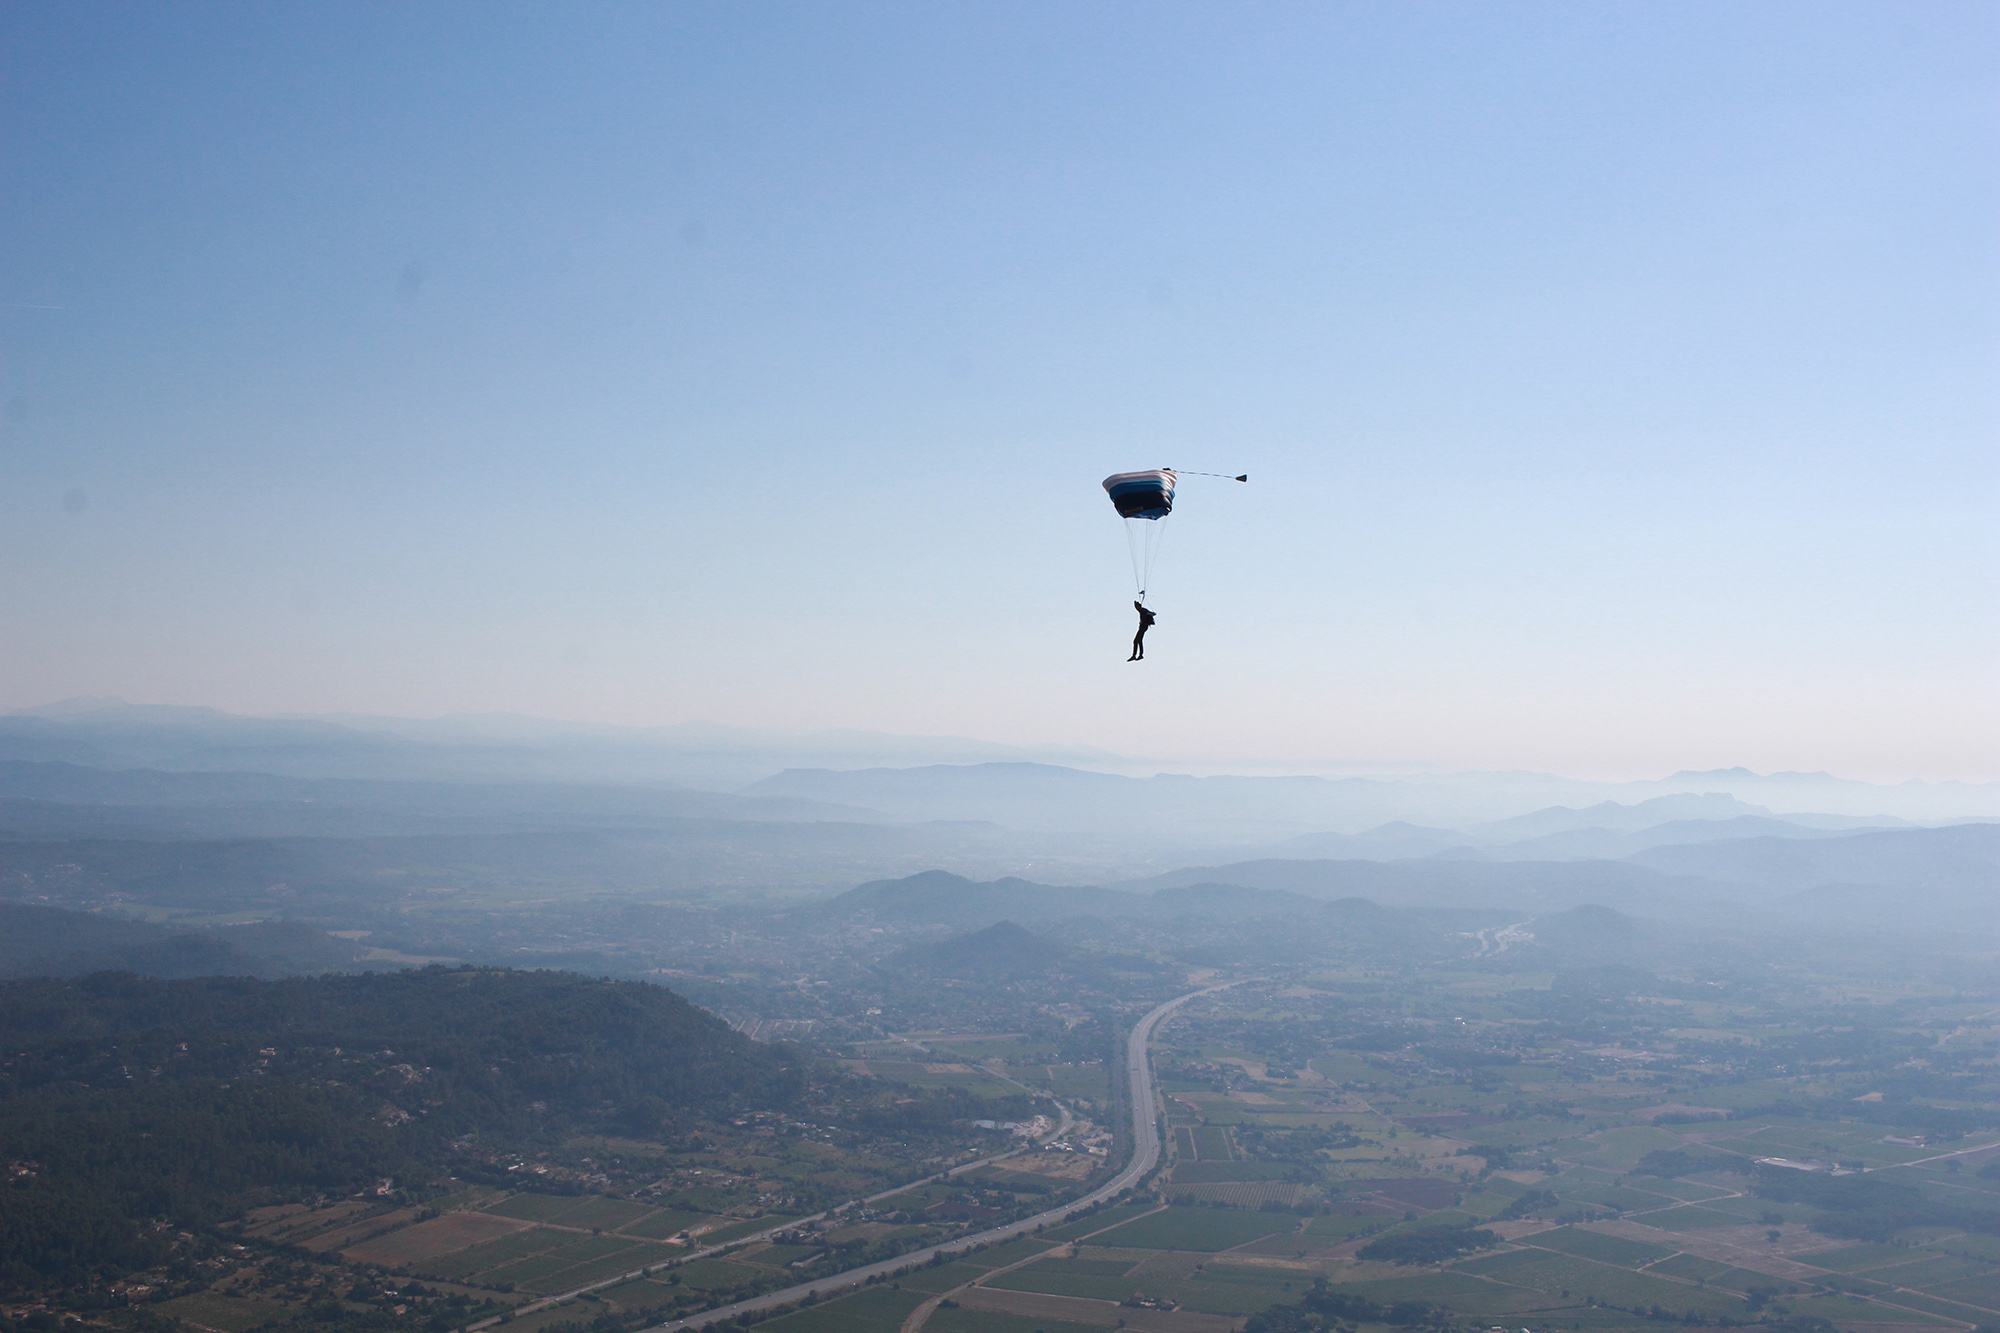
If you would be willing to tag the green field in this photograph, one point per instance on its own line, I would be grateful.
(775, 1256)
(494, 1253)
(1928, 1270)
(1591, 1245)
(732, 1229)
(1098, 1263)
(606, 1214)
(1584, 1279)
(917, 1076)
(1691, 1269)
(565, 1269)
(1092, 1081)
(638, 1293)
(536, 1275)
(870, 1310)
(1092, 1286)
(1982, 1291)
(536, 1207)
(1098, 1221)
(610, 1266)
(1425, 1287)
(1689, 1217)
(715, 1274)
(991, 1321)
(583, 1250)
(663, 1223)
(1691, 1191)
(1013, 1251)
(1214, 1173)
(1201, 1229)
(1211, 1143)
(227, 1313)
(1860, 1258)
(1622, 1198)
(1340, 1226)
(944, 1277)
(1221, 1289)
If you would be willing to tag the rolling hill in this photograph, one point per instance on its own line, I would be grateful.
(1001, 952)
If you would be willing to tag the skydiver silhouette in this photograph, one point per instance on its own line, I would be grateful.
(1146, 619)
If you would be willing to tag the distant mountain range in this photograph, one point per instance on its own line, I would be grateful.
(54, 799)
(899, 777)
(71, 799)
(1421, 815)
(484, 748)
(937, 898)
(192, 809)
(1538, 886)
(1881, 883)
(1909, 879)
(1959, 863)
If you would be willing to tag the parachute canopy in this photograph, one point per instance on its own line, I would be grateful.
(1142, 494)
(1143, 498)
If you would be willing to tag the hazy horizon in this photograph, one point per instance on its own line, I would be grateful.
(907, 749)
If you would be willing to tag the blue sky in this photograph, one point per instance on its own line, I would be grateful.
(1616, 380)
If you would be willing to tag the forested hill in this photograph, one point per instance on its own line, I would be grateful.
(124, 1098)
(482, 1040)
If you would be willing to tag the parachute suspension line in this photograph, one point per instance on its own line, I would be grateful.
(1142, 539)
(1142, 499)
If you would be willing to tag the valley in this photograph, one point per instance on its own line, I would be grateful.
(1577, 1068)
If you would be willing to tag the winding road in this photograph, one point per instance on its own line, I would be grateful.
(1145, 1156)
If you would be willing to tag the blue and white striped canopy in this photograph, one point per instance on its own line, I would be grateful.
(1142, 494)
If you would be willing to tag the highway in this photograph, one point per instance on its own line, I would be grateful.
(557, 1298)
(1145, 1156)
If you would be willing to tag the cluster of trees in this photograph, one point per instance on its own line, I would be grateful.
(1428, 1246)
(1325, 1307)
(1534, 1201)
(1089, 1041)
(932, 1110)
(1300, 1146)
(1785, 1323)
